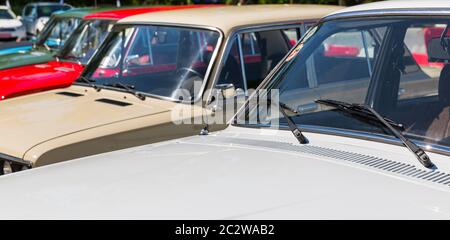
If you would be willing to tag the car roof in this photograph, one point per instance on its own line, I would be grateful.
(228, 17)
(78, 12)
(127, 12)
(394, 7)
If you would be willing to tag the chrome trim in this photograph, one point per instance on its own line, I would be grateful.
(389, 12)
(241, 58)
(428, 147)
(9, 158)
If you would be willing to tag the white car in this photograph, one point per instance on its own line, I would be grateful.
(11, 28)
(349, 158)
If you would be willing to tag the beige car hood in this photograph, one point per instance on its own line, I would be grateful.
(30, 120)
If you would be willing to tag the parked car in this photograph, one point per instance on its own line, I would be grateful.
(126, 93)
(72, 57)
(348, 161)
(11, 28)
(34, 14)
(48, 42)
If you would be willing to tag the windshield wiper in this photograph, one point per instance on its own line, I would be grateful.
(368, 112)
(128, 88)
(291, 124)
(90, 83)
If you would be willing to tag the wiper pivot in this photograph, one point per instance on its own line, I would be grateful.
(128, 88)
(291, 124)
(90, 83)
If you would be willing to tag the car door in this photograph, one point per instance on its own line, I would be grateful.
(249, 58)
(29, 15)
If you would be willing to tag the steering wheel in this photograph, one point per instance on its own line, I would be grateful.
(188, 83)
(186, 69)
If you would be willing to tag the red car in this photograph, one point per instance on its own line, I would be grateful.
(72, 58)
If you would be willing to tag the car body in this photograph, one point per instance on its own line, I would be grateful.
(39, 13)
(63, 119)
(350, 167)
(11, 28)
(72, 57)
(48, 42)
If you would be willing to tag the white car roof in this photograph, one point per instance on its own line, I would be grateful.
(400, 5)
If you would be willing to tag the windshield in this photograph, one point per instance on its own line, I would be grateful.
(5, 14)
(46, 11)
(157, 60)
(56, 32)
(86, 39)
(396, 65)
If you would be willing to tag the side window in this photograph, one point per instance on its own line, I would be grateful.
(27, 12)
(420, 75)
(139, 54)
(261, 51)
(292, 35)
(345, 60)
(231, 71)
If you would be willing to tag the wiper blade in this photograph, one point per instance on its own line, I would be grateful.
(291, 124)
(128, 88)
(90, 83)
(370, 113)
(359, 110)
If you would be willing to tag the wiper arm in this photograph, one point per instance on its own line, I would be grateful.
(90, 83)
(47, 47)
(370, 113)
(291, 124)
(128, 88)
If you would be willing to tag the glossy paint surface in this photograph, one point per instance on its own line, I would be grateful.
(37, 77)
(239, 173)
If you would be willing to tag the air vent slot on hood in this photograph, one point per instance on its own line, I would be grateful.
(70, 94)
(404, 169)
(113, 102)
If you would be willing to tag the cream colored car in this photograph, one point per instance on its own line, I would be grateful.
(149, 69)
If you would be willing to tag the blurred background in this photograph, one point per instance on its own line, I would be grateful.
(17, 5)
(23, 20)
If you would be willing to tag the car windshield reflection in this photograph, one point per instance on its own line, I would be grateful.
(86, 40)
(396, 65)
(56, 32)
(170, 62)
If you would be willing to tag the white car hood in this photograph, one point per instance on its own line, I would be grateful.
(238, 173)
(10, 23)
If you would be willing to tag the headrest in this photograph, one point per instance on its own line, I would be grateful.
(444, 85)
(436, 50)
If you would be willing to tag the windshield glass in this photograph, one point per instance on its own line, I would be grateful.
(396, 65)
(5, 14)
(46, 11)
(86, 39)
(56, 32)
(157, 60)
